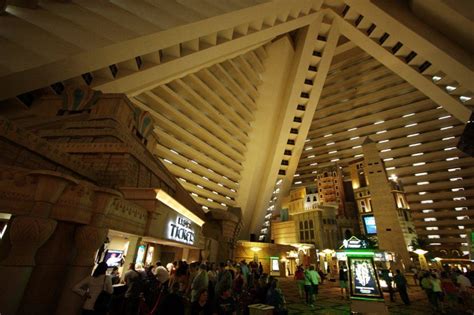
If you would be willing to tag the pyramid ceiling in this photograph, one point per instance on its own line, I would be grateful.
(250, 97)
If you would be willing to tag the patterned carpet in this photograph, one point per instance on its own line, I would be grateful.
(329, 301)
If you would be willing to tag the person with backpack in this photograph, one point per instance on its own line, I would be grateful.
(92, 287)
(134, 283)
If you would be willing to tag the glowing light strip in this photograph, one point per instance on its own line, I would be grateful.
(176, 206)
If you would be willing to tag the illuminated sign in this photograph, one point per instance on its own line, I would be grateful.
(181, 230)
(354, 243)
(363, 279)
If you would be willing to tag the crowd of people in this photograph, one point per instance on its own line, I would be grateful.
(180, 288)
(229, 288)
(448, 289)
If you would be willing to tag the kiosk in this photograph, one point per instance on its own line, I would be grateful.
(364, 287)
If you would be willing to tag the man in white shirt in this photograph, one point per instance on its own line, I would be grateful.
(161, 273)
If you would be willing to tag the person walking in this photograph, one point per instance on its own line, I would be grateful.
(437, 292)
(343, 281)
(388, 280)
(91, 287)
(401, 283)
(427, 286)
(299, 277)
(312, 280)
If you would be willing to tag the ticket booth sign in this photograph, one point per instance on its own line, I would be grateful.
(363, 278)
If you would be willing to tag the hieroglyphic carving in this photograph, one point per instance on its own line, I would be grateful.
(78, 98)
(27, 234)
(87, 240)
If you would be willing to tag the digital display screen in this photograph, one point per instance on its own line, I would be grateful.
(369, 224)
(113, 257)
(363, 278)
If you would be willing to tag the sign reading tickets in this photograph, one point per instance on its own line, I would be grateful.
(181, 230)
(363, 279)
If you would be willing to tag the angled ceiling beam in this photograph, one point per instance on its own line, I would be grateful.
(169, 42)
(405, 71)
(401, 23)
(323, 69)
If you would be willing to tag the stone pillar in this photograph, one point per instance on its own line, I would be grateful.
(27, 234)
(52, 260)
(87, 240)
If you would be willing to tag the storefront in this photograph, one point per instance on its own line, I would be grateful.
(173, 233)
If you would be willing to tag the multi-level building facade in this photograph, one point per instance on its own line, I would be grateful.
(330, 187)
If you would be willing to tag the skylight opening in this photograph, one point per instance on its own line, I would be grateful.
(444, 117)
(422, 193)
(332, 152)
(417, 154)
(414, 145)
(167, 161)
(427, 201)
(205, 208)
(427, 210)
(413, 135)
(354, 138)
(311, 156)
(194, 194)
(173, 151)
(194, 162)
(298, 182)
(308, 148)
(334, 160)
(330, 143)
(383, 141)
(421, 174)
(209, 199)
(450, 88)
(408, 115)
(449, 149)
(446, 128)
(381, 131)
(388, 159)
(379, 122)
(422, 183)
(199, 186)
(352, 129)
(429, 219)
(411, 125)
(436, 78)
(313, 164)
(328, 135)
(419, 163)
(433, 236)
(455, 179)
(356, 147)
(452, 158)
(358, 155)
(391, 168)
(386, 150)
(463, 98)
(432, 228)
